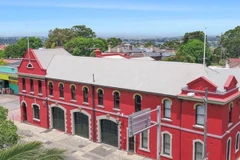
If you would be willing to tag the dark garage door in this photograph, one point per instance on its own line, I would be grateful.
(109, 132)
(81, 124)
(58, 119)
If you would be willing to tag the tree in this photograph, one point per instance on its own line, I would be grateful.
(31, 151)
(113, 42)
(174, 44)
(2, 54)
(83, 31)
(19, 49)
(61, 36)
(2, 62)
(84, 46)
(193, 35)
(8, 131)
(192, 52)
(230, 40)
(148, 44)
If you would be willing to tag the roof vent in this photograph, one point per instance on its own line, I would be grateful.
(190, 94)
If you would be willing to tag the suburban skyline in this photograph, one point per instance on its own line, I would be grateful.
(113, 18)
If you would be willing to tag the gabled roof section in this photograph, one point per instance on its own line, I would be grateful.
(45, 56)
(201, 83)
(230, 83)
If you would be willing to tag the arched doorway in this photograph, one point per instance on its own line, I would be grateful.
(24, 111)
(109, 132)
(58, 119)
(81, 124)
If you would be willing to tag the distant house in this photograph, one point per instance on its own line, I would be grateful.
(233, 62)
(3, 46)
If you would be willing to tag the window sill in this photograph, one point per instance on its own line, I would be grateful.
(31, 92)
(40, 94)
(85, 103)
(100, 106)
(198, 126)
(236, 150)
(50, 96)
(166, 156)
(116, 109)
(73, 100)
(35, 119)
(230, 124)
(23, 91)
(61, 98)
(166, 119)
(144, 149)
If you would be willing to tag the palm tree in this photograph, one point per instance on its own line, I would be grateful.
(31, 151)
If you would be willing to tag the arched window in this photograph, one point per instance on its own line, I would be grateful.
(50, 87)
(116, 100)
(237, 141)
(230, 113)
(85, 94)
(228, 149)
(198, 150)
(167, 144)
(36, 113)
(61, 90)
(200, 115)
(167, 108)
(100, 97)
(73, 92)
(138, 102)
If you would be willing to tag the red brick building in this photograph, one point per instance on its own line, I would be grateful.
(92, 97)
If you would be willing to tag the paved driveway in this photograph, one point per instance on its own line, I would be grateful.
(78, 148)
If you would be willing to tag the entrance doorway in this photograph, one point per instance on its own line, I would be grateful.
(81, 124)
(131, 144)
(58, 119)
(24, 110)
(109, 132)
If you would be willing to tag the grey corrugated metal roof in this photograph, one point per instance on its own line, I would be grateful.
(149, 76)
(46, 55)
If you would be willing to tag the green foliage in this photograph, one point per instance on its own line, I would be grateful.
(61, 36)
(113, 42)
(174, 44)
(32, 151)
(8, 131)
(148, 44)
(193, 35)
(2, 54)
(19, 49)
(84, 46)
(192, 52)
(231, 41)
(2, 62)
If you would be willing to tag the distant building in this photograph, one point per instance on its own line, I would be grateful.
(2, 46)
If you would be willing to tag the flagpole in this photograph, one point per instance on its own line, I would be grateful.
(204, 50)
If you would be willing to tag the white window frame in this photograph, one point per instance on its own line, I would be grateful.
(229, 139)
(237, 144)
(140, 146)
(35, 104)
(196, 114)
(162, 154)
(195, 141)
(170, 109)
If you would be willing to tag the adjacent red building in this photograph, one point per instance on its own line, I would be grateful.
(92, 98)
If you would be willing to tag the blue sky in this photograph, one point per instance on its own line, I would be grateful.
(118, 17)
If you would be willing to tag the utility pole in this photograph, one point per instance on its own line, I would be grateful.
(158, 132)
(205, 99)
(204, 50)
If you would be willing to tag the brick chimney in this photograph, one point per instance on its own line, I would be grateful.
(97, 52)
